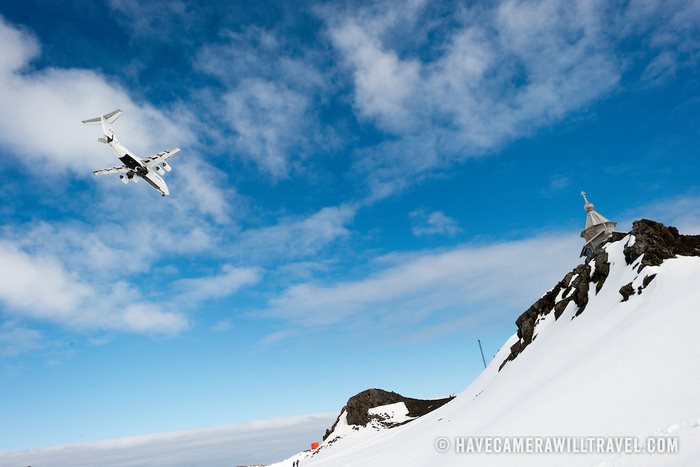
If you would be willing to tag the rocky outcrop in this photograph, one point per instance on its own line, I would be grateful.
(626, 291)
(657, 242)
(357, 407)
(653, 242)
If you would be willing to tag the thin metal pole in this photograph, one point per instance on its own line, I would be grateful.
(482, 353)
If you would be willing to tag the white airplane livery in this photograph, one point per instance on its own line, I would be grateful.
(150, 169)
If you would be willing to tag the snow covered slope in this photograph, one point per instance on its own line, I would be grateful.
(622, 359)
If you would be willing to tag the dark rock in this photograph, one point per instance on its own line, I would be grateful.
(626, 291)
(646, 281)
(516, 348)
(602, 269)
(581, 286)
(358, 406)
(658, 242)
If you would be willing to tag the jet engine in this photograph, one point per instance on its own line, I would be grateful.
(159, 170)
(123, 179)
(167, 167)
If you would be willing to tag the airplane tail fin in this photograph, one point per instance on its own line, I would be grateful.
(105, 120)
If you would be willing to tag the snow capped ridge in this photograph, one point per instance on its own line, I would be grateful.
(365, 414)
(364, 409)
(647, 245)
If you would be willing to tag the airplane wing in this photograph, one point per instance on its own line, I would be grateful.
(160, 157)
(122, 169)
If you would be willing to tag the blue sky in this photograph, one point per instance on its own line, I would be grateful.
(364, 189)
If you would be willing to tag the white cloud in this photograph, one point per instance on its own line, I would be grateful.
(229, 281)
(42, 111)
(39, 287)
(17, 46)
(270, 121)
(200, 191)
(491, 280)
(110, 250)
(148, 318)
(384, 85)
(249, 443)
(434, 223)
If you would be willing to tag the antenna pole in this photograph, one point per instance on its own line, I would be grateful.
(482, 352)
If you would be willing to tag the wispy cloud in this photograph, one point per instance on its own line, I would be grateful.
(249, 443)
(671, 30)
(265, 54)
(109, 249)
(497, 73)
(222, 326)
(433, 223)
(557, 183)
(295, 236)
(270, 120)
(15, 340)
(227, 282)
(201, 191)
(156, 19)
(682, 212)
(271, 99)
(482, 281)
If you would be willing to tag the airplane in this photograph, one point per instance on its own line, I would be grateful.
(150, 169)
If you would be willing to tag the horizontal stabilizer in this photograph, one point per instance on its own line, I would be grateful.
(110, 118)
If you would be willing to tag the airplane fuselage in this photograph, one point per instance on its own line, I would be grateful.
(133, 167)
(137, 167)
